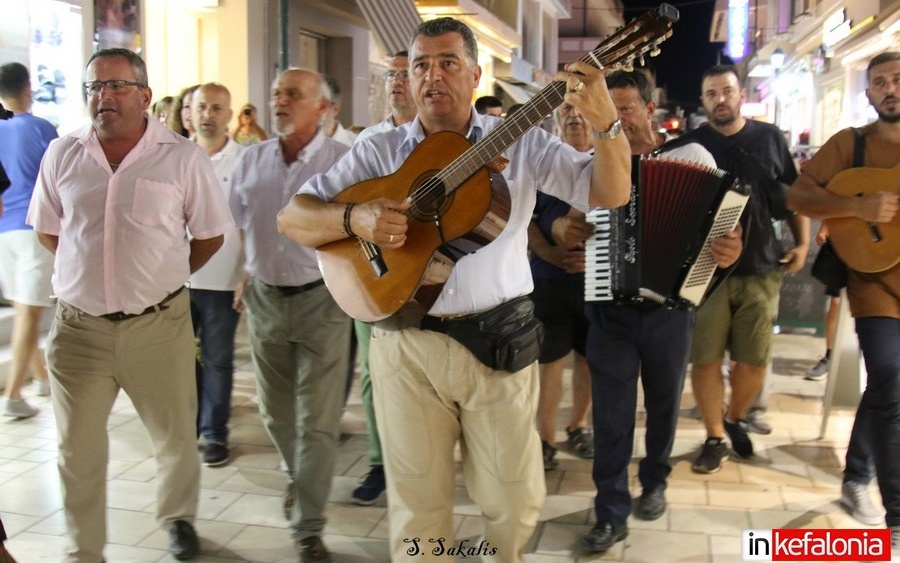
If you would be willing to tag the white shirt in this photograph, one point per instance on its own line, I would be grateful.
(261, 186)
(380, 127)
(343, 136)
(123, 242)
(499, 271)
(226, 267)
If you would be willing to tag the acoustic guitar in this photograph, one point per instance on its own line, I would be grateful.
(863, 245)
(458, 201)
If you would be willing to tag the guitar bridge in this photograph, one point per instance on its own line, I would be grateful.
(373, 255)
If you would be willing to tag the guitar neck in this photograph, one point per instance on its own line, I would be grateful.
(502, 136)
(640, 37)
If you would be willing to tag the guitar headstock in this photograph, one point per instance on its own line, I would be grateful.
(642, 36)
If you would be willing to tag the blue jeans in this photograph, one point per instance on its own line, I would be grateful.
(215, 322)
(878, 416)
(625, 342)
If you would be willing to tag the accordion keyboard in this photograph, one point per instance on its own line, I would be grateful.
(598, 284)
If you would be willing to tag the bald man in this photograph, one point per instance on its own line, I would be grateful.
(215, 308)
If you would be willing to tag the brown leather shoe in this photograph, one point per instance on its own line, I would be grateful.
(312, 550)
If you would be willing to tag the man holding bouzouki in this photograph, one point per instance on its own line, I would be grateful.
(859, 207)
(467, 370)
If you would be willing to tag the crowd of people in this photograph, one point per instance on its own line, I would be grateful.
(117, 219)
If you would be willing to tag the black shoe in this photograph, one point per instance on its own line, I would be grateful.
(581, 442)
(215, 453)
(651, 504)
(549, 453)
(740, 439)
(288, 505)
(371, 487)
(312, 550)
(712, 456)
(603, 536)
(183, 542)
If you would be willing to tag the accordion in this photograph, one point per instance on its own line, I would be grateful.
(656, 247)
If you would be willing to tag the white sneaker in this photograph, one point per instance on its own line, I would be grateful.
(757, 423)
(18, 408)
(819, 371)
(41, 387)
(856, 501)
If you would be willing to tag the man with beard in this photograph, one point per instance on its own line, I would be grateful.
(214, 304)
(739, 316)
(874, 297)
(403, 110)
(294, 323)
(114, 201)
(646, 340)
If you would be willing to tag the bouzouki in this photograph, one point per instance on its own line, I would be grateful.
(863, 245)
(458, 201)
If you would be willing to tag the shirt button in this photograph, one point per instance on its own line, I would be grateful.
(450, 292)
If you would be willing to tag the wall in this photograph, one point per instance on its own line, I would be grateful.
(185, 47)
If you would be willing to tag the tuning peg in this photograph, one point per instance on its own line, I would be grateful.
(655, 52)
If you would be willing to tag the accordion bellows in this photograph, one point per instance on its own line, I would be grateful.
(656, 247)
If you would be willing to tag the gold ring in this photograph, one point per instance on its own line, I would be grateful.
(390, 239)
(578, 87)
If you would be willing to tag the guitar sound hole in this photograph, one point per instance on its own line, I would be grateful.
(429, 198)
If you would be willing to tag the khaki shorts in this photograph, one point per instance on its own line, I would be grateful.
(26, 268)
(739, 317)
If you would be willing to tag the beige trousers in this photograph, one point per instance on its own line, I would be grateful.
(430, 393)
(151, 358)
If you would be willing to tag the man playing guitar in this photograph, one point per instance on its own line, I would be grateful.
(868, 205)
(430, 391)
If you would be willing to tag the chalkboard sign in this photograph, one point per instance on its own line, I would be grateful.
(803, 301)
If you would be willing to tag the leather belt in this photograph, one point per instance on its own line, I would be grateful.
(161, 306)
(289, 290)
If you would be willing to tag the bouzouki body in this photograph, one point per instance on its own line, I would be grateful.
(864, 246)
(459, 202)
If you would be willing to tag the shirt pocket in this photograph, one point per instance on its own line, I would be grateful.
(154, 203)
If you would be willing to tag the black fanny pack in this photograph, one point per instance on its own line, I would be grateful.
(508, 337)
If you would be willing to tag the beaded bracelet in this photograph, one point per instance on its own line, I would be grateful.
(347, 228)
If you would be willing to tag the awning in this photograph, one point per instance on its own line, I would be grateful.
(519, 93)
(392, 22)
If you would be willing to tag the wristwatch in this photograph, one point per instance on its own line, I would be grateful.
(614, 130)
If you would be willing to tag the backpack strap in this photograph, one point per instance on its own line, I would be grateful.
(859, 147)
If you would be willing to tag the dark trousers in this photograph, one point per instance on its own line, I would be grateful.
(878, 415)
(625, 342)
(215, 323)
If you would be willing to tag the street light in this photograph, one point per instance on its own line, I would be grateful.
(777, 59)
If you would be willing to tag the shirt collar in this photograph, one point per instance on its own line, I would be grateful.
(415, 134)
(155, 132)
(306, 153)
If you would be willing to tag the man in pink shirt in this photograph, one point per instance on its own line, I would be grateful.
(114, 201)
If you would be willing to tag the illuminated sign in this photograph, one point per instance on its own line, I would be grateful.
(835, 28)
(738, 23)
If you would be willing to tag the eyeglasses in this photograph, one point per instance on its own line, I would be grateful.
(395, 74)
(112, 86)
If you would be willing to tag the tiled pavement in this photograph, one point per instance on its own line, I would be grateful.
(794, 483)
